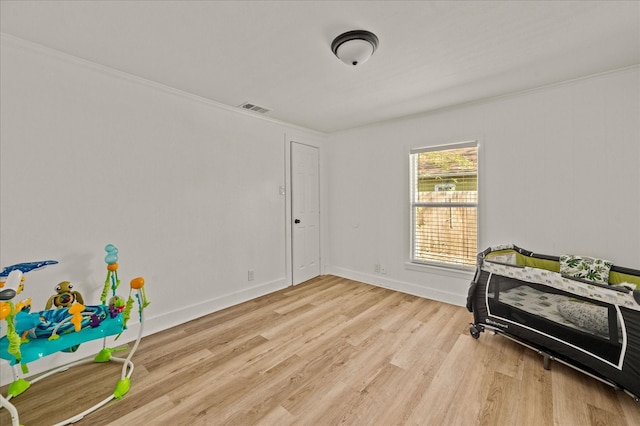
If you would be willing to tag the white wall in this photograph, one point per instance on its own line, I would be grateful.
(186, 189)
(558, 174)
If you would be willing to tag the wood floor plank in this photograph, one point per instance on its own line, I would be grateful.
(476, 386)
(330, 406)
(458, 324)
(369, 320)
(155, 409)
(369, 358)
(332, 351)
(602, 417)
(566, 407)
(501, 403)
(630, 408)
(316, 297)
(145, 389)
(440, 396)
(318, 373)
(424, 337)
(407, 311)
(415, 383)
(535, 392)
(277, 416)
(267, 394)
(354, 408)
(509, 359)
(305, 334)
(385, 384)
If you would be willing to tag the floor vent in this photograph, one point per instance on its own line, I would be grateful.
(254, 107)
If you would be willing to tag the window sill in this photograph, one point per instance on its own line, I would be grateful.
(441, 270)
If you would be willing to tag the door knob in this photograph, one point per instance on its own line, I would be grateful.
(296, 221)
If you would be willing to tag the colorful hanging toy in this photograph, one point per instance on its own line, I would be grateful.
(65, 323)
(65, 296)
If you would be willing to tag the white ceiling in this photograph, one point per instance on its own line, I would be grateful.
(432, 54)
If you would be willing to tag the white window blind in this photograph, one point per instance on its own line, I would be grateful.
(444, 204)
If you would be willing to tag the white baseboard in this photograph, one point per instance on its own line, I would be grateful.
(166, 320)
(152, 324)
(183, 314)
(402, 286)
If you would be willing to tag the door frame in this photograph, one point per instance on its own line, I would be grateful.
(288, 140)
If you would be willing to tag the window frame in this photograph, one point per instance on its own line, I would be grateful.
(418, 264)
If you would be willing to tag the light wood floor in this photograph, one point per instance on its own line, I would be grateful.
(331, 351)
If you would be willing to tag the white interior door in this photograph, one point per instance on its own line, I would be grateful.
(305, 212)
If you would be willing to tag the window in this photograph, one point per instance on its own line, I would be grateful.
(444, 204)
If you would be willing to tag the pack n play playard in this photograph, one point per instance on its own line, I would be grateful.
(581, 311)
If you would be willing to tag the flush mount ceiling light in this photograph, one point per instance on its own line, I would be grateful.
(355, 47)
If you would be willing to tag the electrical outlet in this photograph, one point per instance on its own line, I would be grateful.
(250, 275)
(376, 268)
(383, 269)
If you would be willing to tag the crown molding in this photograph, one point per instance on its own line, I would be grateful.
(94, 66)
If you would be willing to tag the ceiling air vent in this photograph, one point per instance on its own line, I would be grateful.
(254, 107)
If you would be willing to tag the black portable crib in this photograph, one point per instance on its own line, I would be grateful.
(591, 326)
